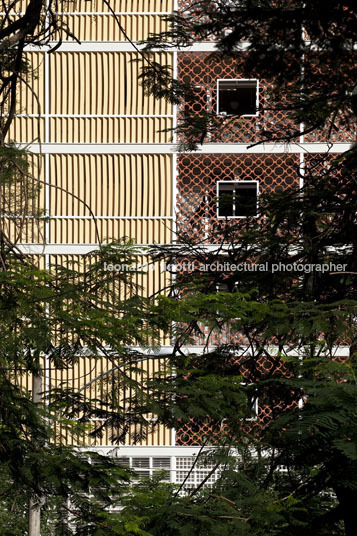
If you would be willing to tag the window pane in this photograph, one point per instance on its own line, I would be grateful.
(237, 199)
(237, 98)
(226, 199)
(246, 200)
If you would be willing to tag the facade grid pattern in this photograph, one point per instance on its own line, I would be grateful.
(91, 96)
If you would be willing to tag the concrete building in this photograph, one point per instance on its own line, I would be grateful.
(93, 133)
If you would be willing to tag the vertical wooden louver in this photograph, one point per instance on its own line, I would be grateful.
(121, 6)
(130, 194)
(93, 98)
(103, 27)
(102, 83)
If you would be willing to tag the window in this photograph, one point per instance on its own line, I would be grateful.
(146, 466)
(237, 199)
(194, 476)
(176, 469)
(237, 97)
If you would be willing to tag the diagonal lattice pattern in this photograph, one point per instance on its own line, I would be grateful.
(201, 71)
(194, 432)
(197, 185)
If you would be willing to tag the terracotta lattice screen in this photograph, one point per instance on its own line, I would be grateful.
(194, 432)
(197, 185)
(202, 71)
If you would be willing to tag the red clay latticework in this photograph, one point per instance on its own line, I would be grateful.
(194, 433)
(197, 185)
(342, 130)
(202, 70)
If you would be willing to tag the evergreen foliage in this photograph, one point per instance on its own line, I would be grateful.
(292, 321)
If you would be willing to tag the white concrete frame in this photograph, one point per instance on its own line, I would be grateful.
(172, 452)
(119, 46)
(168, 148)
(136, 450)
(142, 249)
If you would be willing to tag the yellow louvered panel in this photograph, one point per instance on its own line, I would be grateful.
(24, 379)
(102, 83)
(27, 130)
(118, 6)
(112, 185)
(20, 377)
(88, 369)
(73, 231)
(110, 130)
(153, 279)
(24, 204)
(31, 90)
(150, 278)
(28, 231)
(19, 6)
(106, 28)
(83, 372)
(66, 378)
(75, 377)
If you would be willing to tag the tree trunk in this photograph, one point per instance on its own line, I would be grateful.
(34, 504)
(34, 518)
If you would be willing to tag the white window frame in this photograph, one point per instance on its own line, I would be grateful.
(256, 80)
(175, 472)
(236, 182)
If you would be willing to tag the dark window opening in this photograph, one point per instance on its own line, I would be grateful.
(237, 199)
(237, 97)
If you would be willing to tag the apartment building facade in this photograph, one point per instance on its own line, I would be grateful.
(98, 141)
